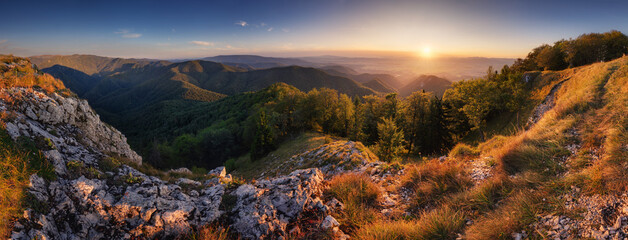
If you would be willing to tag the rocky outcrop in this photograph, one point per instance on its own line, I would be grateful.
(264, 209)
(116, 208)
(601, 217)
(97, 196)
(69, 126)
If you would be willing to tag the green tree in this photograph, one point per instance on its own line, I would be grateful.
(344, 115)
(263, 141)
(390, 144)
(551, 58)
(416, 113)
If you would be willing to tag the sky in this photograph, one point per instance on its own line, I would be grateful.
(190, 29)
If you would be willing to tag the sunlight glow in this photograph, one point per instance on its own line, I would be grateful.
(426, 52)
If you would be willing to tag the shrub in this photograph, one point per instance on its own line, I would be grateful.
(130, 179)
(109, 164)
(462, 150)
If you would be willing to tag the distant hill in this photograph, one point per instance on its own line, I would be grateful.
(343, 71)
(379, 86)
(338, 70)
(94, 65)
(429, 83)
(257, 61)
(118, 87)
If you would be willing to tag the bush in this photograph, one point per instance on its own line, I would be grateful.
(462, 150)
(109, 164)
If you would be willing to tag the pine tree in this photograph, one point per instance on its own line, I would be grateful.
(390, 143)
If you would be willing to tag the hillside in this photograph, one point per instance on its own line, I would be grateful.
(258, 61)
(429, 83)
(379, 86)
(343, 71)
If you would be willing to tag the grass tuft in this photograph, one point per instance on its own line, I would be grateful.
(359, 194)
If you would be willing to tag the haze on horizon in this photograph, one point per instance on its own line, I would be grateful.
(424, 28)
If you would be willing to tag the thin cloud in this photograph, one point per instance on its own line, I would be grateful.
(285, 30)
(270, 29)
(202, 43)
(3, 41)
(132, 35)
(125, 33)
(242, 23)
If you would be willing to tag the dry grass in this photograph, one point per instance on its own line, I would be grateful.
(17, 163)
(517, 212)
(441, 223)
(483, 197)
(463, 151)
(20, 73)
(434, 179)
(359, 194)
(209, 232)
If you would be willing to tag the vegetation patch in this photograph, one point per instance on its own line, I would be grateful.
(359, 194)
(441, 223)
(17, 163)
(433, 179)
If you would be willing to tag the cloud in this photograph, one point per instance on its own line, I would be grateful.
(125, 33)
(3, 41)
(285, 30)
(263, 24)
(132, 35)
(202, 43)
(242, 23)
(270, 29)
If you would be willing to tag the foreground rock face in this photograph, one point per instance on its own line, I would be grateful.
(101, 209)
(69, 126)
(96, 197)
(266, 208)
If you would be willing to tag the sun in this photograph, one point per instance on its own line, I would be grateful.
(426, 52)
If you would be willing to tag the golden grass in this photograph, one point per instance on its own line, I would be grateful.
(484, 196)
(359, 194)
(463, 151)
(433, 179)
(516, 213)
(20, 73)
(209, 232)
(441, 223)
(15, 170)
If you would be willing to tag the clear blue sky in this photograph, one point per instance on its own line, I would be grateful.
(181, 29)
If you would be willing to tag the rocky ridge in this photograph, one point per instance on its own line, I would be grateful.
(109, 199)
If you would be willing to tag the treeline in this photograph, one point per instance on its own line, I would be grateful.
(586, 49)
(420, 124)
